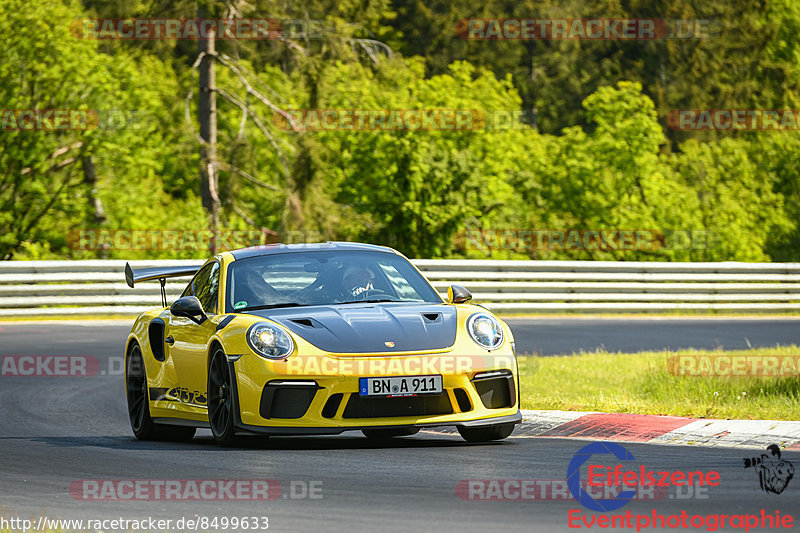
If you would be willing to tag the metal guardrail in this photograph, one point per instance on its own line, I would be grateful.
(98, 287)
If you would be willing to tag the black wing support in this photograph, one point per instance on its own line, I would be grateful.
(160, 273)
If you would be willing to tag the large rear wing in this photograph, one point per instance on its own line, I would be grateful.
(160, 273)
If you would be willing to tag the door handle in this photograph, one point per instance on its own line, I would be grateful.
(170, 340)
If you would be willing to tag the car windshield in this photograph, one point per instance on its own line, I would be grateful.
(322, 278)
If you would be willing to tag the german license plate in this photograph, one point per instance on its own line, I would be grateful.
(400, 386)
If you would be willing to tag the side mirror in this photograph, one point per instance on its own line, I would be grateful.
(188, 307)
(456, 294)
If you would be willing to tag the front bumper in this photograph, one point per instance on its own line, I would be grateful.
(283, 398)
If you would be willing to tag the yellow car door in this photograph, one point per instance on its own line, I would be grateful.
(188, 341)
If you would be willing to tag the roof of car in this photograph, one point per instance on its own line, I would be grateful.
(268, 249)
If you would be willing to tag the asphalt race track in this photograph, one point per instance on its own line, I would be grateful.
(548, 336)
(57, 431)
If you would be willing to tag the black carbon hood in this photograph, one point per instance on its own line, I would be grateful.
(367, 328)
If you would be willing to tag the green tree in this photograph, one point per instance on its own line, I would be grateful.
(52, 180)
(414, 189)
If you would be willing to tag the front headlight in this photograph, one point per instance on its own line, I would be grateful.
(269, 341)
(485, 330)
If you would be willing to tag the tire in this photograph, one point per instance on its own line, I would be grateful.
(221, 402)
(389, 433)
(486, 433)
(139, 405)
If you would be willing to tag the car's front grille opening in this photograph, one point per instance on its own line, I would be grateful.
(287, 399)
(462, 398)
(366, 407)
(496, 389)
(332, 405)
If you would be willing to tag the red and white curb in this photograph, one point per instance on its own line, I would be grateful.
(659, 429)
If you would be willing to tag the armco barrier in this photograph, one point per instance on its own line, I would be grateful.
(30, 288)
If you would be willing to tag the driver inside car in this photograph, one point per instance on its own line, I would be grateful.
(357, 281)
(252, 289)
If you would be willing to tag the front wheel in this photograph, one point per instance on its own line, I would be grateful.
(220, 399)
(139, 406)
(486, 433)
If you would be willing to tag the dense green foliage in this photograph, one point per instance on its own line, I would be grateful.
(594, 152)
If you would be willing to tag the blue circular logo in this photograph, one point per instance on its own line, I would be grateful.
(574, 477)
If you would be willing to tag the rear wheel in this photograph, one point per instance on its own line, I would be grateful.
(486, 433)
(389, 433)
(139, 406)
(220, 399)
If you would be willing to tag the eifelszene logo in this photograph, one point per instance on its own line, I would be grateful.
(624, 477)
(774, 473)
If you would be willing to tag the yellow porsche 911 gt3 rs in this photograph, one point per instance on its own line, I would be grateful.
(317, 339)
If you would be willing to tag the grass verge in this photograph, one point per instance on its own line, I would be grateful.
(641, 383)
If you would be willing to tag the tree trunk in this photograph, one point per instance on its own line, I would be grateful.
(207, 115)
(90, 178)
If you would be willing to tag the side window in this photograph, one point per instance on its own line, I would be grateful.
(188, 290)
(205, 285)
(207, 289)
